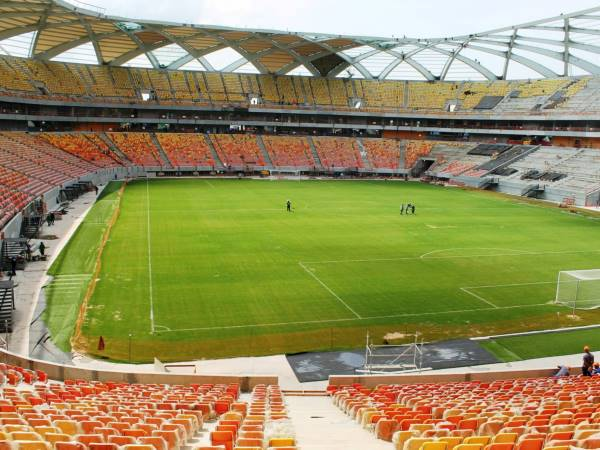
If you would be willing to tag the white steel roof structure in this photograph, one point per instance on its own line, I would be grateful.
(565, 45)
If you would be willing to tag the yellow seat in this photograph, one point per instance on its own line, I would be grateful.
(483, 440)
(282, 442)
(505, 438)
(416, 443)
(437, 445)
(25, 436)
(57, 437)
(469, 447)
(67, 426)
(31, 445)
(451, 442)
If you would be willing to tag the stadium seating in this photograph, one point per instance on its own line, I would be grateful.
(138, 147)
(416, 150)
(238, 150)
(186, 150)
(520, 414)
(79, 145)
(382, 153)
(23, 77)
(338, 152)
(286, 151)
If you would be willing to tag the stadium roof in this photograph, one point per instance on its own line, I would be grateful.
(568, 44)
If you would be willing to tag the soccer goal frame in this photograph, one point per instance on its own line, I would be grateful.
(578, 289)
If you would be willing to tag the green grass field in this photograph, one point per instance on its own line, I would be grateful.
(209, 268)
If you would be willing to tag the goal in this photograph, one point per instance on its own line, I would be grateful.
(579, 289)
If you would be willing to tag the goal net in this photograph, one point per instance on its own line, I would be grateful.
(579, 289)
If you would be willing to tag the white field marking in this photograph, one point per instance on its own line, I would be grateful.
(412, 258)
(393, 316)
(162, 328)
(149, 238)
(511, 284)
(478, 297)
(210, 184)
(440, 227)
(329, 290)
(78, 275)
(428, 254)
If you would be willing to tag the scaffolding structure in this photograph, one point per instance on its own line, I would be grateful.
(393, 359)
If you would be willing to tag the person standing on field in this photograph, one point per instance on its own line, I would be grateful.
(288, 205)
(402, 209)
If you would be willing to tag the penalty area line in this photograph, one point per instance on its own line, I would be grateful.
(308, 271)
(478, 297)
(362, 319)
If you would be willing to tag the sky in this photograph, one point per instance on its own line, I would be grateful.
(385, 18)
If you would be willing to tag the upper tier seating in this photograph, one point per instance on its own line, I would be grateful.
(520, 414)
(79, 145)
(238, 150)
(20, 76)
(138, 147)
(186, 149)
(382, 153)
(338, 152)
(286, 151)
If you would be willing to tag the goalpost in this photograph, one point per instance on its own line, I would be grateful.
(578, 289)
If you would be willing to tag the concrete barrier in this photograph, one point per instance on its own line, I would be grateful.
(61, 372)
(372, 381)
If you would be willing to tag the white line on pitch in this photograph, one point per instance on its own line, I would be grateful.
(394, 316)
(413, 258)
(150, 292)
(329, 290)
(512, 284)
(467, 291)
(210, 184)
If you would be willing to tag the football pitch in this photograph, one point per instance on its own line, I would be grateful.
(199, 268)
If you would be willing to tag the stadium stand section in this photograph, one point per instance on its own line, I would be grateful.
(186, 150)
(519, 414)
(238, 150)
(294, 152)
(51, 80)
(338, 152)
(138, 147)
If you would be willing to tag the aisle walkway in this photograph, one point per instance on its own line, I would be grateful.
(319, 425)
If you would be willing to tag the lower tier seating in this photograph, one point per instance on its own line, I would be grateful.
(519, 414)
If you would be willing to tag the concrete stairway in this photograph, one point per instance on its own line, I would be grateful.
(263, 149)
(219, 164)
(161, 152)
(363, 153)
(314, 151)
(114, 148)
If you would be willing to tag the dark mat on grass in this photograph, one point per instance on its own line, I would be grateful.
(318, 366)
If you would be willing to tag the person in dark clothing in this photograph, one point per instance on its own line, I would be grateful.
(288, 205)
(402, 209)
(96, 189)
(42, 249)
(48, 220)
(588, 362)
(412, 209)
(52, 218)
(13, 266)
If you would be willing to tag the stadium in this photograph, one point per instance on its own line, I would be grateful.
(234, 238)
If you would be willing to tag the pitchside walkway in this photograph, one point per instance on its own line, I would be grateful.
(30, 281)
